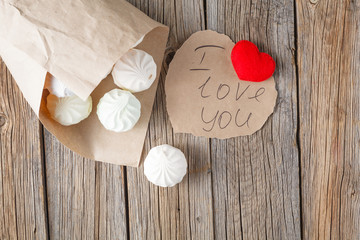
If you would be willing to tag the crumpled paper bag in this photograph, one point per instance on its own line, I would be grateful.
(78, 42)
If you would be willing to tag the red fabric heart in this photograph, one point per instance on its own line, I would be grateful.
(250, 64)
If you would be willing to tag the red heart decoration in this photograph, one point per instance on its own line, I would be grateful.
(250, 64)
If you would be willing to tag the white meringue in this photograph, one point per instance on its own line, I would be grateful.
(135, 71)
(165, 166)
(58, 88)
(119, 110)
(68, 110)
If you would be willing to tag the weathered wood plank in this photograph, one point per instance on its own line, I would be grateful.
(183, 211)
(86, 200)
(111, 221)
(22, 190)
(329, 80)
(66, 189)
(256, 178)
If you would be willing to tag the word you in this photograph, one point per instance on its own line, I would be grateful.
(223, 118)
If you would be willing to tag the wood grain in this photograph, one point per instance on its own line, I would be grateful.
(329, 83)
(241, 188)
(22, 187)
(86, 200)
(184, 211)
(256, 178)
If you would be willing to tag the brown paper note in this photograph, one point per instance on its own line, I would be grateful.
(78, 42)
(206, 98)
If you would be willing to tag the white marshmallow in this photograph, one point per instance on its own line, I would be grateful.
(58, 88)
(135, 71)
(119, 110)
(68, 110)
(165, 166)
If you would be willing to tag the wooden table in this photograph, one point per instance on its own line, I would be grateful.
(298, 177)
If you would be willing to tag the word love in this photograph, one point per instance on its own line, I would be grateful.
(224, 90)
(223, 117)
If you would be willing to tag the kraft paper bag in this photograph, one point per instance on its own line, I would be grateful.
(79, 42)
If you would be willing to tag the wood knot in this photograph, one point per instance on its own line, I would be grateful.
(204, 169)
(314, 1)
(2, 119)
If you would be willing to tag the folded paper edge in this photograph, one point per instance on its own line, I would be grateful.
(22, 67)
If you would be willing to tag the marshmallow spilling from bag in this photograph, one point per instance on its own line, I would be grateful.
(135, 71)
(81, 55)
(119, 110)
(68, 110)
